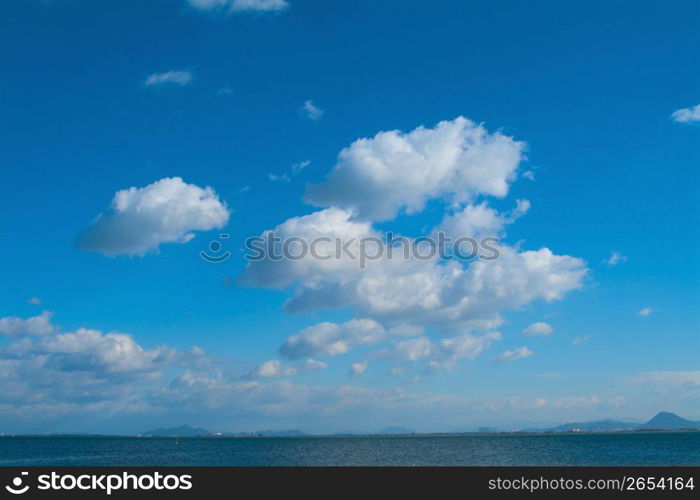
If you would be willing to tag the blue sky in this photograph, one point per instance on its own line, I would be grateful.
(99, 97)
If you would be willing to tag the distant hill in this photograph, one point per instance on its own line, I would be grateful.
(666, 420)
(661, 421)
(596, 426)
(182, 431)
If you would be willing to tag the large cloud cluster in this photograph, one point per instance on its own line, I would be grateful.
(457, 162)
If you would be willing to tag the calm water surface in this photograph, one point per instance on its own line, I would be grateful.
(672, 448)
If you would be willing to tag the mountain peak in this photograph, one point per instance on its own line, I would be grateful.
(668, 420)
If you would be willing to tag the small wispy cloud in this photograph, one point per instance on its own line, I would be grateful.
(546, 375)
(357, 369)
(241, 5)
(645, 311)
(278, 178)
(175, 77)
(35, 301)
(580, 340)
(615, 259)
(294, 170)
(538, 329)
(298, 167)
(687, 115)
(519, 353)
(226, 90)
(312, 111)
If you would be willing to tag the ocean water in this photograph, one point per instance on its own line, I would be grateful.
(669, 448)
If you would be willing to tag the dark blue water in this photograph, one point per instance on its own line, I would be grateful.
(672, 448)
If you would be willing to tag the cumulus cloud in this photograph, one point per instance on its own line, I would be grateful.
(12, 326)
(376, 178)
(141, 219)
(538, 328)
(473, 221)
(687, 115)
(414, 291)
(274, 368)
(46, 370)
(241, 5)
(514, 355)
(445, 353)
(176, 77)
(330, 339)
(312, 111)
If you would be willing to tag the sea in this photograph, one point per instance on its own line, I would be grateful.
(634, 448)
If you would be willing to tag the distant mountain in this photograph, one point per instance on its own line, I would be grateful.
(396, 430)
(597, 426)
(662, 421)
(182, 431)
(666, 420)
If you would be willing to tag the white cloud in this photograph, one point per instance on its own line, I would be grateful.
(141, 219)
(687, 115)
(281, 177)
(645, 311)
(473, 221)
(538, 328)
(285, 176)
(298, 167)
(581, 339)
(241, 5)
(684, 379)
(414, 291)
(12, 326)
(176, 77)
(519, 353)
(576, 402)
(35, 301)
(445, 353)
(357, 369)
(456, 160)
(330, 339)
(547, 375)
(414, 349)
(615, 259)
(274, 368)
(46, 371)
(91, 349)
(312, 111)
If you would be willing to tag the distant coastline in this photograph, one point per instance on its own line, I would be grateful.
(662, 422)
